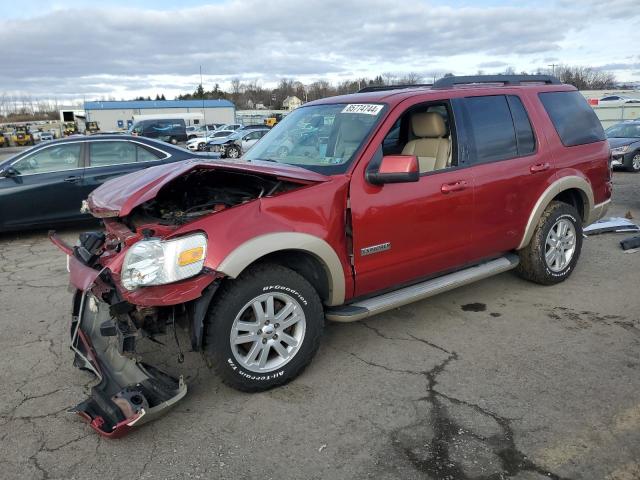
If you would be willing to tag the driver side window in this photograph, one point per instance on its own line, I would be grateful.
(52, 159)
(424, 131)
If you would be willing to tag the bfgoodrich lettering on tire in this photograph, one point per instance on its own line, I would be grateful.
(555, 246)
(263, 328)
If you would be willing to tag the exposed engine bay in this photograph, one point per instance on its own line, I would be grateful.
(204, 191)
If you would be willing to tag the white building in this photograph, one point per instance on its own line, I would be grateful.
(115, 115)
(291, 103)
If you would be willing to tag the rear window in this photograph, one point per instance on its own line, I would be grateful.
(573, 118)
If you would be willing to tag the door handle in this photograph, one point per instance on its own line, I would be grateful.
(72, 179)
(539, 167)
(453, 187)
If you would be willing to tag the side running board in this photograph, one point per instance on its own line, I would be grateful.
(397, 298)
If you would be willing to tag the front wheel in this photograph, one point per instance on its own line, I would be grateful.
(555, 247)
(173, 141)
(263, 328)
(633, 164)
(233, 152)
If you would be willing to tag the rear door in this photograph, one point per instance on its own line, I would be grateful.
(47, 188)
(108, 159)
(510, 166)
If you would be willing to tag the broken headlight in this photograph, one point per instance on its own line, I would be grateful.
(157, 262)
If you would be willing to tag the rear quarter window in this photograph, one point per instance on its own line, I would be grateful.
(573, 118)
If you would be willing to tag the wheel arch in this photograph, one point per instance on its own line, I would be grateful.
(308, 255)
(574, 190)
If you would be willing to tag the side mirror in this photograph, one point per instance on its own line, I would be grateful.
(393, 169)
(9, 172)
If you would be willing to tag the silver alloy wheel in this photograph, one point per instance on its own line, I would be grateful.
(233, 153)
(635, 162)
(268, 332)
(560, 245)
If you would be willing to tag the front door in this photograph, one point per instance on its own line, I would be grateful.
(405, 232)
(46, 189)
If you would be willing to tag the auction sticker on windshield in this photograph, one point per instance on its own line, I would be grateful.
(364, 108)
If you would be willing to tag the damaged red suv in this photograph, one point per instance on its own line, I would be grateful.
(351, 206)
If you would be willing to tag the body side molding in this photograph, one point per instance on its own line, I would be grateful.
(256, 248)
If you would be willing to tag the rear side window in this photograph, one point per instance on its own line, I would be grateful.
(491, 128)
(573, 118)
(525, 140)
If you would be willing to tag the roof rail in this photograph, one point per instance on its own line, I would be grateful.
(381, 88)
(450, 82)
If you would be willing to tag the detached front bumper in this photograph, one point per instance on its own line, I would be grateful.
(130, 392)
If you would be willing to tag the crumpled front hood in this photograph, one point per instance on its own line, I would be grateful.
(118, 197)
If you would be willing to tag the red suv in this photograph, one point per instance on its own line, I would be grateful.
(349, 207)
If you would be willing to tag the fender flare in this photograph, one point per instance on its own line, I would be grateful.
(558, 186)
(251, 250)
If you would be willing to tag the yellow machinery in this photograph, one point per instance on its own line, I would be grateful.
(273, 121)
(91, 127)
(22, 136)
(69, 128)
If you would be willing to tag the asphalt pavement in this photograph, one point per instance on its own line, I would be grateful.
(500, 379)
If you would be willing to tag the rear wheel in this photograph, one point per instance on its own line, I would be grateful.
(264, 328)
(633, 164)
(555, 247)
(173, 141)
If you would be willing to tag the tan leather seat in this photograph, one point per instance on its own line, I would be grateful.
(431, 147)
(352, 132)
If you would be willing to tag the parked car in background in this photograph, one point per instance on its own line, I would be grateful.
(200, 143)
(45, 185)
(624, 140)
(617, 100)
(256, 126)
(171, 130)
(230, 126)
(234, 146)
(46, 136)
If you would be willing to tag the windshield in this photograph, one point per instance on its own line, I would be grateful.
(322, 138)
(631, 130)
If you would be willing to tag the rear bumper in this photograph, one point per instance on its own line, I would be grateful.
(598, 211)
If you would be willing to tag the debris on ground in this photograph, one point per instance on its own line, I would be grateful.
(630, 243)
(612, 224)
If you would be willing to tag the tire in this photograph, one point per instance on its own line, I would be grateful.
(563, 253)
(173, 141)
(233, 152)
(633, 164)
(234, 303)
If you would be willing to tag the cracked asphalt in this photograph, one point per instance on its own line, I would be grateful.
(500, 379)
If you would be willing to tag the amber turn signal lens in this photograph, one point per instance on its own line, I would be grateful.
(190, 256)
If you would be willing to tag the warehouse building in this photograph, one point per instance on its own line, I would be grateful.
(114, 115)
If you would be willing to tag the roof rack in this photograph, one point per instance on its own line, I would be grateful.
(449, 82)
(381, 88)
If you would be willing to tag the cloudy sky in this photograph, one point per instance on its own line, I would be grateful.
(71, 49)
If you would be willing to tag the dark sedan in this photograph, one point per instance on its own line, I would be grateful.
(624, 140)
(45, 185)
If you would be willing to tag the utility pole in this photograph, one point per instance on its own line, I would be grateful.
(204, 113)
(553, 68)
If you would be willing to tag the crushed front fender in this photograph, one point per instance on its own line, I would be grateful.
(130, 393)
